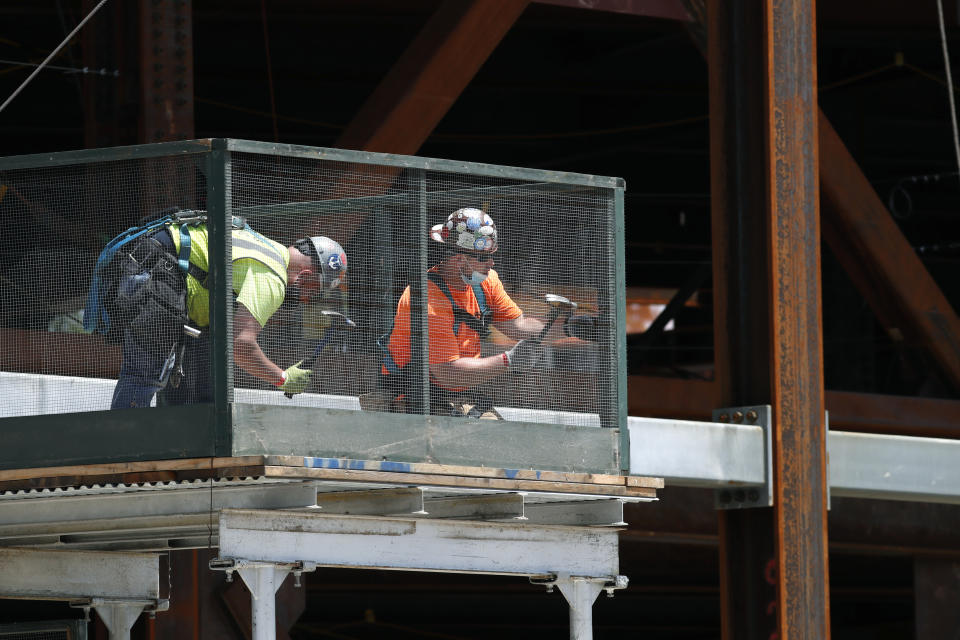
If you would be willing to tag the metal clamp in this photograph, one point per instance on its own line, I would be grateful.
(230, 565)
(750, 496)
(609, 583)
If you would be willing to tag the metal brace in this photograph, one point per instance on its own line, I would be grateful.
(748, 497)
(610, 583)
(150, 607)
(230, 565)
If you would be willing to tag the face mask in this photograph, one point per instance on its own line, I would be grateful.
(475, 278)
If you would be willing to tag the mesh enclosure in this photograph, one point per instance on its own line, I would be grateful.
(553, 239)
(556, 240)
(56, 220)
(50, 630)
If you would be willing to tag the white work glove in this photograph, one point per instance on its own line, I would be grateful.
(524, 356)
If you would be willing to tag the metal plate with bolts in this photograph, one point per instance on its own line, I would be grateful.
(749, 496)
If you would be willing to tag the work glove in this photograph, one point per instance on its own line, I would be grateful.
(524, 356)
(583, 327)
(296, 380)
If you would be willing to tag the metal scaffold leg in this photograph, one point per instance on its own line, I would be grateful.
(263, 546)
(118, 616)
(263, 582)
(580, 594)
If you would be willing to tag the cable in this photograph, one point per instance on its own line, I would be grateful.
(52, 54)
(946, 64)
(85, 70)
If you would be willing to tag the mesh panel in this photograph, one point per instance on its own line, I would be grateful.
(553, 238)
(52, 630)
(56, 220)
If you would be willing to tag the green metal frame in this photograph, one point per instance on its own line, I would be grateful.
(172, 432)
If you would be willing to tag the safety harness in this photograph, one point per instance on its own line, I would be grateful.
(138, 281)
(397, 379)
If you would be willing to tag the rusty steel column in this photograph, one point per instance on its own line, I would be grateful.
(797, 393)
(166, 70)
(734, 37)
(767, 320)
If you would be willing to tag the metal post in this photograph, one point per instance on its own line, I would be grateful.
(263, 582)
(419, 338)
(580, 594)
(119, 617)
(219, 211)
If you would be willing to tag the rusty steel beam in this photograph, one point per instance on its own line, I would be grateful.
(666, 9)
(430, 75)
(886, 269)
(44, 352)
(659, 397)
(414, 96)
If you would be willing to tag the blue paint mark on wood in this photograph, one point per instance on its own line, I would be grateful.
(511, 473)
(404, 467)
(356, 465)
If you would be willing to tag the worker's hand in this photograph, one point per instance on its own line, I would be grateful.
(583, 327)
(296, 380)
(524, 356)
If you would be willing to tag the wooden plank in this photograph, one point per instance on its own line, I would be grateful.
(644, 482)
(350, 475)
(121, 468)
(445, 469)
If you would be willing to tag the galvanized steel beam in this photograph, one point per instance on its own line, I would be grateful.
(416, 544)
(75, 575)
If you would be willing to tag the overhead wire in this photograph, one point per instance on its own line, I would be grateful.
(52, 55)
(946, 64)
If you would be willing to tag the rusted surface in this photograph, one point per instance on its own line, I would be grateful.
(667, 9)
(166, 70)
(416, 94)
(58, 354)
(768, 330)
(884, 266)
(741, 295)
(657, 397)
(797, 392)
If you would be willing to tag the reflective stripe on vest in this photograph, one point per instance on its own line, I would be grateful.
(247, 244)
(256, 249)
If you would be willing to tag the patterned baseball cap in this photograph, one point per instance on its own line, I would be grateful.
(467, 229)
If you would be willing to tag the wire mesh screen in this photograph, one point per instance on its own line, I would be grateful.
(56, 220)
(363, 282)
(363, 339)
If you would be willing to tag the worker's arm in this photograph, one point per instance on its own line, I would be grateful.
(468, 372)
(247, 353)
(526, 327)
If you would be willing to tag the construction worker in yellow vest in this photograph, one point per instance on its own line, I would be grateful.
(166, 276)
